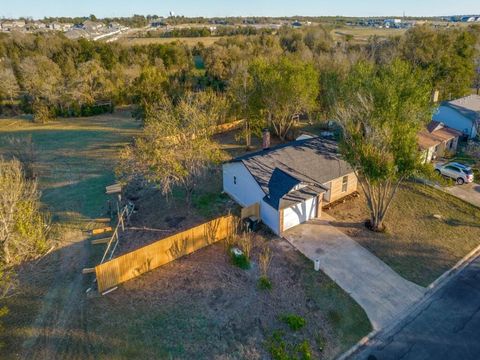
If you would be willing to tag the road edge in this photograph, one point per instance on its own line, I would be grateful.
(413, 309)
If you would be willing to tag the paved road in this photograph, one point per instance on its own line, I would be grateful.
(446, 328)
(379, 290)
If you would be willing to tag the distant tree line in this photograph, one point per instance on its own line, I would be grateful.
(53, 76)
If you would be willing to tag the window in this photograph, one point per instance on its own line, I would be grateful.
(344, 183)
(235, 180)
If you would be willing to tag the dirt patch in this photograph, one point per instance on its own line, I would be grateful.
(203, 307)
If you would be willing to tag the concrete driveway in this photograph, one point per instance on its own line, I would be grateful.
(468, 192)
(380, 291)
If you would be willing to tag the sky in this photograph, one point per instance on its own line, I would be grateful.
(211, 8)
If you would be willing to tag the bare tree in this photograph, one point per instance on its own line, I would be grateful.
(175, 148)
(23, 228)
(8, 84)
(23, 149)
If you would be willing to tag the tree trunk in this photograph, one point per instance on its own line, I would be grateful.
(248, 136)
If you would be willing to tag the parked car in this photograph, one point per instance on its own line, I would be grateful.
(460, 173)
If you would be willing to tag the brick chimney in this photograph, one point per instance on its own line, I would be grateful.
(266, 139)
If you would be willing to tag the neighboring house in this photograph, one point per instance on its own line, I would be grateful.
(290, 182)
(462, 114)
(92, 26)
(437, 140)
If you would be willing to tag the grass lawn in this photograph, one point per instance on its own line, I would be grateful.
(416, 245)
(75, 161)
(75, 158)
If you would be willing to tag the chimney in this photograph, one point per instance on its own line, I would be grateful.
(266, 139)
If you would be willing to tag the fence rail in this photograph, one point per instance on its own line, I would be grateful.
(133, 264)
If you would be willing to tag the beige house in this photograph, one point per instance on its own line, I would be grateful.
(437, 140)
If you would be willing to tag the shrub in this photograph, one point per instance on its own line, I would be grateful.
(241, 261)
(264, 260)
(42, 113)
(294, 322)
(245, 243)
(281, 350)
(264, 283)
(321, 342)
(303, 349)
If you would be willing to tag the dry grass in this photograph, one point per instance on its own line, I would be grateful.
(362, 34)
(75, 162)
(203, 307)
(416, 245)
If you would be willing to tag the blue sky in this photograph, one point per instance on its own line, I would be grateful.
(105, 8)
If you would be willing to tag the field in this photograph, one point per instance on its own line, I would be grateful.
(416, 245)
(190, 41)
(75, 161)
(361, 35)
(197, 307)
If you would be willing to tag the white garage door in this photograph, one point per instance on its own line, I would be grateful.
(299, 213)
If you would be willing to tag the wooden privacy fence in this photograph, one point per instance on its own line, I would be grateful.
(140, 261)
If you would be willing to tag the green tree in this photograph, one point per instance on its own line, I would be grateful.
(282, 90)
(91, 83)
(381, 113)
(42, 79)
(149, 89)
(240, 92)
(447, 54)
(175, 148)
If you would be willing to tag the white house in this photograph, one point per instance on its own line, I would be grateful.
(462, 114)
(290, 182)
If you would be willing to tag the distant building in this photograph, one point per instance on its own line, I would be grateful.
(437, 140)
(296, 24)
(388, 23)
(9, 25)
(92, 26)
(468, 19)
(158, 23)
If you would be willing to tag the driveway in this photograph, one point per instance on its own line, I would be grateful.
(446, 327)
(468, 192)
(380, 291)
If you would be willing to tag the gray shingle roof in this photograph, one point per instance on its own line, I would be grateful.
(312, 162)
(468, 106)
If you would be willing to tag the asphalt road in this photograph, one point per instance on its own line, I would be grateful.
(446, 328)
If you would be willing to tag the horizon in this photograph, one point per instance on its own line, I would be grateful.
(248, 8)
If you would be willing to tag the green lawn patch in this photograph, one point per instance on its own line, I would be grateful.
(417, 245)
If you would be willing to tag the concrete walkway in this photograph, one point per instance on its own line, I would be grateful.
(379, 290)
(468, 192)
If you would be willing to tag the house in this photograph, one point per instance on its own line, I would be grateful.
(289, 182)
(437, 140)
(462, 114)
(92, 26)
